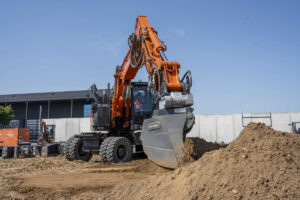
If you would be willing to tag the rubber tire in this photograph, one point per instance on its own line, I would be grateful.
(10, 152)
(74, 154)
(103, 148)
(61, 148)
(66, 149)
(112, 148)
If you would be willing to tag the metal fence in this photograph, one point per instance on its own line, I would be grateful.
(34, 126)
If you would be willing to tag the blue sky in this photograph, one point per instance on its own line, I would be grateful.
(244, 55)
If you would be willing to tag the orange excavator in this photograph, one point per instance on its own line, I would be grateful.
(151, 117)
(44, 135)
(46, 141)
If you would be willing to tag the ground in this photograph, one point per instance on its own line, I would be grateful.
(261, 163)
(56, 178)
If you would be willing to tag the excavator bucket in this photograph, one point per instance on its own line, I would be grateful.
(162, 138)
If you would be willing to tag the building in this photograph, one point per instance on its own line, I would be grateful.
(68, 104)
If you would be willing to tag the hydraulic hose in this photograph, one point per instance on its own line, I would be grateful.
(189, 80)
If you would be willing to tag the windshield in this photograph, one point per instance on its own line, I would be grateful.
(51, 131)
(142, 99)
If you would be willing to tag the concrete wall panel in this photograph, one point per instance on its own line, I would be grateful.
(73, 126)
(208, 127)
(281, 121)
(195, 132)
(85, 125)
(213, 128)
(225, 130)
(294, 117)
(60, 129)
(237, 125)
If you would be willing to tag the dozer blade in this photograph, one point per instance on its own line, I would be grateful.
(162, 139)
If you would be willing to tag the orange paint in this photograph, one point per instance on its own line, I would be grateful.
(12, 136)
(150, 45)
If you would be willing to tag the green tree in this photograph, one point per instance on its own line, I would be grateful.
(6, 114)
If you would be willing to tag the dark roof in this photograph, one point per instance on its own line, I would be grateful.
(67, 95)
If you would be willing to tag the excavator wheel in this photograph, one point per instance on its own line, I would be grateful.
(66, 148)
(118, 150)
(103, 149)
(61, 149)
(75, 151)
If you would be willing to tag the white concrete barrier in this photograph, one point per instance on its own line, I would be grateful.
(226, 127)
(213, 128)
(67, 127)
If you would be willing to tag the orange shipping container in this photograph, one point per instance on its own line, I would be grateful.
(13, 136)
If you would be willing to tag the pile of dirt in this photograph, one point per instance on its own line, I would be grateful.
(260, 164)
(195, 147)
(149, 167)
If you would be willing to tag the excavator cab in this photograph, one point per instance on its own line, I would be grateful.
(47, 133)
(50, 130)
(142, 104)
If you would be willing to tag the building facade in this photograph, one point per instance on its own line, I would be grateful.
(68, 104)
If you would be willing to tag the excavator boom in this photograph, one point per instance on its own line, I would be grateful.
(172, 118)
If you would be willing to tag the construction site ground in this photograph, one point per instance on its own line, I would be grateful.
(260, 164)
(54, 177)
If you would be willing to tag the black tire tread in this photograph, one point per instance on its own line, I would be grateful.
(103, 149)
(66, 148)
(111, 149)
(73, 148)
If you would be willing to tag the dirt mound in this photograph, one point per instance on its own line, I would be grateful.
(195, 147)
(149, 167)
(260, 164)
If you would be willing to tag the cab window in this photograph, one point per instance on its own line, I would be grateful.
(142, 100)
(50, 131)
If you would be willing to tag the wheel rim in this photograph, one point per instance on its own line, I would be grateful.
(121, 152)
(80, 152)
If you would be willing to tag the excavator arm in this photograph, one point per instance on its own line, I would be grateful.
(162, 138)
(145, 49)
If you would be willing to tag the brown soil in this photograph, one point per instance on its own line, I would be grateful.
(195, 147)
(56, 178)
(260, 164)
